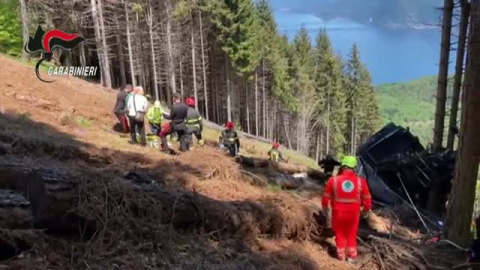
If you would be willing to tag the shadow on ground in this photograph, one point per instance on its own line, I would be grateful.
(107, 208)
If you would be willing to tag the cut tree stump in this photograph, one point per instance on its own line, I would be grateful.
(50, 189)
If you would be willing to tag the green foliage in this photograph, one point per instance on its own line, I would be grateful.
(234, 22)
(83, 122)
(328, 83)
(410, 104)
(363, 112)
(11, 40)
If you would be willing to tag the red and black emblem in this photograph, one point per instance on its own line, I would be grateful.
(49, 41)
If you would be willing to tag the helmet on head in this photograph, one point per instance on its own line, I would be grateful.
(229, 125)
(156, 103)
(276, 145)
(190, 101)
(349, 162)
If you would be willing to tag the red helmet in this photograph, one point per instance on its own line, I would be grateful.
(276, 145)
(190, 101)
(229, 125)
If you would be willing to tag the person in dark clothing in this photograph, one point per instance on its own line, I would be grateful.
(229, 139)
(178, 115)
(194, 122)
(328, 164)
(120, 106)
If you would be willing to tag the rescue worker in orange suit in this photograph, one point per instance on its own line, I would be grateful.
(346, 192)
(275, 154)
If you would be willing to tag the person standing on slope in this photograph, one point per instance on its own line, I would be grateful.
(346, 193)
(275, 154)
(194, 122)
(136, 107)
(328, 164)
(120, 106)
(177, 115)
(229, 139)
(155, 117)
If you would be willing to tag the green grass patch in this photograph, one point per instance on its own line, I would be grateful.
(83, 122)
(274, 188)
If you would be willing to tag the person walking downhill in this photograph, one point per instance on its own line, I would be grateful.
(136, 107)
(194, 122)
(120, 106)
(346, 193)
(178, 114)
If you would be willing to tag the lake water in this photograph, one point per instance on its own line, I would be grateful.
(391, 55)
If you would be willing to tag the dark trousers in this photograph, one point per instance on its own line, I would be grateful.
(183, 139)
(140, 126)
(122, 118)
(155, 129)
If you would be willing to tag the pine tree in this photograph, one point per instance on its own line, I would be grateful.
(363, 113)
(328, 83)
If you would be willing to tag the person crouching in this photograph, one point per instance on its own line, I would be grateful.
(229, 139)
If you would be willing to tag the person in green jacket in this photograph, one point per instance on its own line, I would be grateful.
(155, 117)
(275, 154)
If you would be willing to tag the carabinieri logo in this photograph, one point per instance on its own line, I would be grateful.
(51, 40)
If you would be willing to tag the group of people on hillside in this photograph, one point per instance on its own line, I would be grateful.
(132, 108)
(345, 192)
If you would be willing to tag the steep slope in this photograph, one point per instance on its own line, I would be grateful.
(194, 211)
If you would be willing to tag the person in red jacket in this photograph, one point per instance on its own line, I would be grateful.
(346, 193)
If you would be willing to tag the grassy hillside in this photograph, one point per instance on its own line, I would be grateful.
(410, 104)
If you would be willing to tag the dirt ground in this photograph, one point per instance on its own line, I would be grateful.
(199, 210)
(71, 121)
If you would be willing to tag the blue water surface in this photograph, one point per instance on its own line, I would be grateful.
(391, 55)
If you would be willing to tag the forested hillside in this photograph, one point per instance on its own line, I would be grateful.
(227, 54)
(410, 104)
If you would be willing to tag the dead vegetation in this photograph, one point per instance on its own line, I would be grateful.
(98, 203)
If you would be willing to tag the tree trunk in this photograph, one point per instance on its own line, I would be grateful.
(121, 58)
(152, 50)
(99, 44)
(457, 84)
(247, 103)
(264, 100)
(194, 68)
(327, 148)
(256, 104)
(229, 91)
(181, 79)
(443, 76)
(82, 56)
(317, 152)
(107, 76)
(171, 66)
(129, 43)
(204, 68)
(24, 11)
(460, 207)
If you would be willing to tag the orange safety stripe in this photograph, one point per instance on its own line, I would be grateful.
(346, 200)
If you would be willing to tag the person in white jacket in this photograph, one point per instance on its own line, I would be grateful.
(136, 108)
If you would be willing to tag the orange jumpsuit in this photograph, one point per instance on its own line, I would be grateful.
(346, 193)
